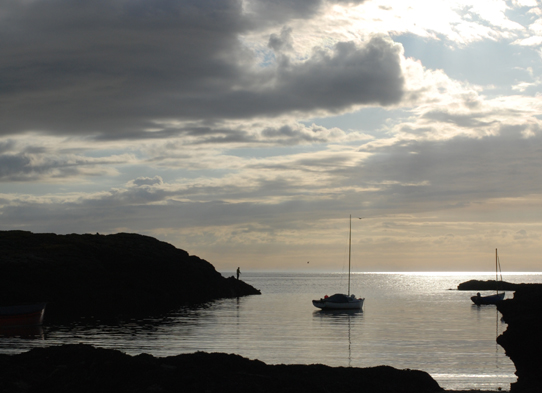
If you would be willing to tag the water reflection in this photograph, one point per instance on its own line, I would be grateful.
(341, 318)
(341, 314)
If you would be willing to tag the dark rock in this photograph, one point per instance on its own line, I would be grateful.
(522, 340)
(83, 368)
(489, 285)
(106, 276)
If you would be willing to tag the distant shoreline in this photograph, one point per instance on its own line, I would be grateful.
(480, 285)
(419, 273)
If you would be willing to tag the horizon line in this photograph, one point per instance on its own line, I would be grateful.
(421, 272)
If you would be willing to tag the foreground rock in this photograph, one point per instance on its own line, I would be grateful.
(114, 276)
(522, 340)
(83, 368)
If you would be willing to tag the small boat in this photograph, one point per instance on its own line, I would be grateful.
(340, 301)
(491, 299)
(22, 315)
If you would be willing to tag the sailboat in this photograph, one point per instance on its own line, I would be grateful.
(491, 299)
(340, 301)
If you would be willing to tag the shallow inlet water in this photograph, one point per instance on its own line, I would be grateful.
(409, 320)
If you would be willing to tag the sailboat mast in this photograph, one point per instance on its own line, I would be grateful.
(496, 271)
(349, 252)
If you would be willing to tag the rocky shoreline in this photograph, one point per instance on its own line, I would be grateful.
(492, 285)
(521, 340)
(106, 277)
(83, 368)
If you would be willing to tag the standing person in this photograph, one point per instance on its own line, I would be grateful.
(238, 272)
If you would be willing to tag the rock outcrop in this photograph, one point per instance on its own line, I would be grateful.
(83, 368)
(490, 285)
(106, 276)
(522, 340)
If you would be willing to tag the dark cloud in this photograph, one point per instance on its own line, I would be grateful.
(290, 133)
(333, 81)
(68, 65)
(27, 167)
(455, 171)
(113, 67)
(370, 74)
(148, 181)
(297, 134)
(14, 167)
(282, 42)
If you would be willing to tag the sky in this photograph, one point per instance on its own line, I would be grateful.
(246, 132)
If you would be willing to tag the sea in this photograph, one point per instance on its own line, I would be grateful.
(409, 321)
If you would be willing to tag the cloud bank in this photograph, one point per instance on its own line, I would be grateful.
(249, 130)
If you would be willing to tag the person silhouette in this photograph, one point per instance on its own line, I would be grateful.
(238, 272)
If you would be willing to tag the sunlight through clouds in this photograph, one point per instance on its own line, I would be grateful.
(248, 131)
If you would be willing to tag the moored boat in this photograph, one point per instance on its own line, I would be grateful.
(497, 297)
(492, 299)
(22, 315)
(340, 301)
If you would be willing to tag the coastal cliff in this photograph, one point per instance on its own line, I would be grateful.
(522, 340)
(106, 276)
(83, 368)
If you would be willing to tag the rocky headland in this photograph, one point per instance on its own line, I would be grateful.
(488, 285)
(491, 285)
(522, 340)
(95, 276)
(83, 368)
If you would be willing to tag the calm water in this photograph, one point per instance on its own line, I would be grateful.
(409, 320)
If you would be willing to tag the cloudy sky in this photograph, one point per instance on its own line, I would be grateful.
(247, 131)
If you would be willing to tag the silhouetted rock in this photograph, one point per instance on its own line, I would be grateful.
(489, 285)
(106, 276)
(522, 339)
(83, 368)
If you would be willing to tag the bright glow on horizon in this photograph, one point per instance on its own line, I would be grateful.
(424, 274)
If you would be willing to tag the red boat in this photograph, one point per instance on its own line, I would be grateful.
(22, 315)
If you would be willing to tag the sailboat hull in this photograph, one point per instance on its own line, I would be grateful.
(492, 299)
(351, 303)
